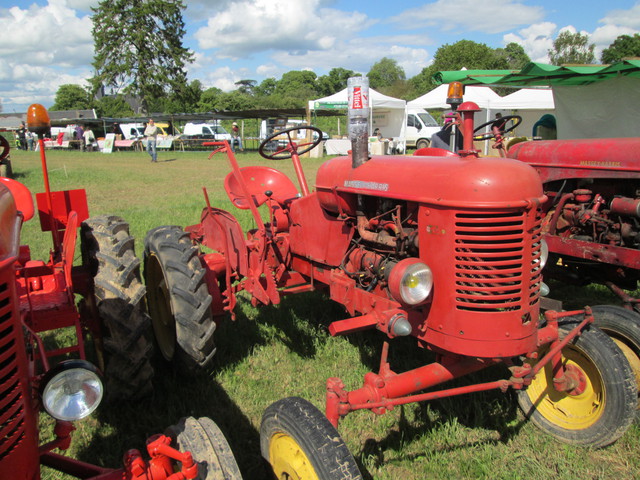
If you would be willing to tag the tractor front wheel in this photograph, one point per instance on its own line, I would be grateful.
(600, 408)
(623, 327)
(118, 298)
(300, 443)
(208, 447)
(178, 298)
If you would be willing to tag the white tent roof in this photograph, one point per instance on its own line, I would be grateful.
(526, 99)
(339, 101)
(437, 98)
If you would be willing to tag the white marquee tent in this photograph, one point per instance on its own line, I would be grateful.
(386, 113)
(527, 99)
(437, 98)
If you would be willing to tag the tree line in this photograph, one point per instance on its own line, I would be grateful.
(139, 56)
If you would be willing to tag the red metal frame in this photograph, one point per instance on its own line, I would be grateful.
(475, 222)
(35, 297)
(596, 221)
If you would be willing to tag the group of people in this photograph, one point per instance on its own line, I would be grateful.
(25, 140)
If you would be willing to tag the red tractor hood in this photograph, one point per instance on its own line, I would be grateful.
(453, 181)
(581, 158)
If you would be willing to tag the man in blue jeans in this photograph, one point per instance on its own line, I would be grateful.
(151, 132)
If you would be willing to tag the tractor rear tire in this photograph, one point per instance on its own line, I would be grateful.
(299, 442)
(208, 446)
(178, 298)
(623, 327)
(605, 409)
(118, 295)
(5, 168)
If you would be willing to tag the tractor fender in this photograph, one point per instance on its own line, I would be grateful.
(21, 196)
(220, 231)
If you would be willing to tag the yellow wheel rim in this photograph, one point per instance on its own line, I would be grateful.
(288, 460)
(159, 306)
(633, 359)
(564, 410)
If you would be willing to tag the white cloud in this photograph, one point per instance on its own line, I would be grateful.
(251, 26)
(624, 18)
(43, 47)
(603, 37)
(536, 40)
(489, 16)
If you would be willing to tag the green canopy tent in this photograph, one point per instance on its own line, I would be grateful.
(540, 74)
(591, 101)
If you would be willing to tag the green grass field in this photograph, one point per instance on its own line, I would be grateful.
(281, 351)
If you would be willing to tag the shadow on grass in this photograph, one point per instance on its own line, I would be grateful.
(129, 424)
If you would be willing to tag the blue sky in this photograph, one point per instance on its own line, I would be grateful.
(48, 43)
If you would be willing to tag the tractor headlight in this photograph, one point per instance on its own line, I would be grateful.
(71, 390)
(544, 253)
(410, 281)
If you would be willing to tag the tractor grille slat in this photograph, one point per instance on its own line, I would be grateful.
(492, 271)
(12, 428)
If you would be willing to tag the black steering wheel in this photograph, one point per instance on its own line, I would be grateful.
(517, 120)
(4, 148)
(292, 146)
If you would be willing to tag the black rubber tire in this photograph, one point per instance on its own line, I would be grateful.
(108, 252)
(208, 447)
(610, 398)
(178, 298)
(5, 148)
(5, 168)
(422, 143)
(623, 327)
(317, 446)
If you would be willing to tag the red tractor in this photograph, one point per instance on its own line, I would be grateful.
(443, 247)
(591, 222)
(38, 297)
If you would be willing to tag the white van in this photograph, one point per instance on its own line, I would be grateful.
(131, 131)
(209, 131)
(420, 127)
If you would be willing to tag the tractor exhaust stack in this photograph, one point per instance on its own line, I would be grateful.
(358, 119)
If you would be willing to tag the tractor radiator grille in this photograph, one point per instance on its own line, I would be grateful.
(494, 270)
(12, 428)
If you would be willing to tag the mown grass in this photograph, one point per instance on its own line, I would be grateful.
(279, 351)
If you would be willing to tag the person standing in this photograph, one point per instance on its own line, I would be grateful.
(235, 137)
(22, 137)
(151, 132)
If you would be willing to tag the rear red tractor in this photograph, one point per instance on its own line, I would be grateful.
(443, 247)
(38, 298)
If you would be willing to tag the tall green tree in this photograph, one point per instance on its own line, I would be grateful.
(246, 86)
(622, 47)
(462, 54)
(513, 56)
(572, 48)
(334, 81)
(138, 47)
(266, 87)
(295, 88)
(385, 73)
(71, 97)
(113, 106)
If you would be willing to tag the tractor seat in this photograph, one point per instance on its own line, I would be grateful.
(259, 180)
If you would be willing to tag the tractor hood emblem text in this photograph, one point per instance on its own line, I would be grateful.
(368, 185)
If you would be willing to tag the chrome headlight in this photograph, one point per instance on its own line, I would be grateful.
(410, 281)
(544, 252)
(71, 390)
